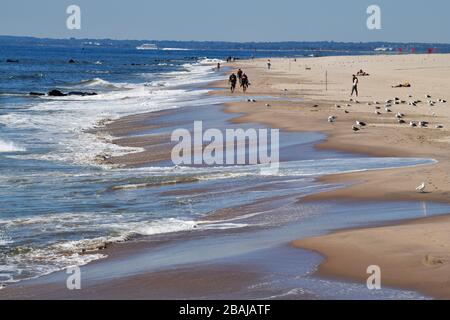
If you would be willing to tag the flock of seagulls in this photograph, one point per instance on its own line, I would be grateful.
(388, 105)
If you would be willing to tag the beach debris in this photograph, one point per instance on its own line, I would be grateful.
(421, 188)
(355, 129)
(332, 119)
(412, 124)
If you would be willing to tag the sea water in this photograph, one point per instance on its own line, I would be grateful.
(57, 202)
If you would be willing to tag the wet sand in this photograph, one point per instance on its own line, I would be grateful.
(421, 266)
(294, 81)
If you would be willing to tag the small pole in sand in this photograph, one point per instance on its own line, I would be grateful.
(326, 80)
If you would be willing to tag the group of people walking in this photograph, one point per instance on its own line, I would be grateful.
(243, 80)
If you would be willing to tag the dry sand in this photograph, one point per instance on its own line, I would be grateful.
(413, 255)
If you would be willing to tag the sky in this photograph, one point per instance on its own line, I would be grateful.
(231, 20)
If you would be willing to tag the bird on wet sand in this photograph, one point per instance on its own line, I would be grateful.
(421, 188)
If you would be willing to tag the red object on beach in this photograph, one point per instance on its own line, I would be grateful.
(400, 50)
(430, 50)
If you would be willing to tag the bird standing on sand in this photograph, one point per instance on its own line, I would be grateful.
(355, 129)
(421, 188)
(360, 123)
(332, 119)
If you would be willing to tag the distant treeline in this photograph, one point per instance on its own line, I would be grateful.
(220, 45)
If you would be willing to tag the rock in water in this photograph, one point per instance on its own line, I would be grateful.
(56, 93)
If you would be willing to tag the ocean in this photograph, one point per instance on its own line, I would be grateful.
(58, 204)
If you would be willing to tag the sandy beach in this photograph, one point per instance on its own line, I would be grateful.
(296, 97)
(413, 254)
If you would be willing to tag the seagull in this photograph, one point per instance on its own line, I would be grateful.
(267, 105)
(387, 110)
(360, 123)
(377, 113)
(355, 129)
(337, 106)
(401, 121)
(412, 124)
(315, 106)
(421, 188)
(346, 111)
(377, 108)
(399, 115)
(439, 126)
(423, 124)
(332, 119)
(428, 96)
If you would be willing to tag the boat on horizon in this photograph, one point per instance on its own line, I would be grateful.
(147, 46)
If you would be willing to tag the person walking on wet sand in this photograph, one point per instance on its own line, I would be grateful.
(232, 80)
(239, 75)
(244, 82)
(355, 85)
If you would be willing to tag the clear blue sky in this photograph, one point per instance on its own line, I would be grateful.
(230, 20)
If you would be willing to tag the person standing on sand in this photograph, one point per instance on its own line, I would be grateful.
(269, 64)
(355, 85)
(218, 66)
(232, 80)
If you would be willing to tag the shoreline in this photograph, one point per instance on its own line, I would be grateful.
(290, 115)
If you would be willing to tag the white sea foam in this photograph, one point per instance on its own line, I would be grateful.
(9, 146)
(62, 122)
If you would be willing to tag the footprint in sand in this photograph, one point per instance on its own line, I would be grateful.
(432, 261)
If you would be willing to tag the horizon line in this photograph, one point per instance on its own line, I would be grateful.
(226, 41)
